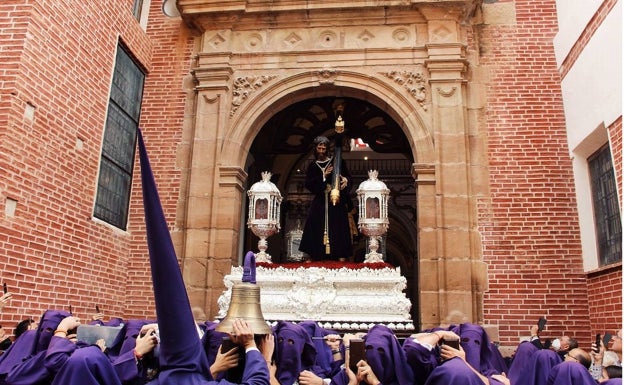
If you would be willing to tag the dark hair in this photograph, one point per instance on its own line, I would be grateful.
(573, 343)
(614, 371)
(22, 326)
(584, 360)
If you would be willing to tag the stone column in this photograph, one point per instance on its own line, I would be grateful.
(451, 271)
(214, 190)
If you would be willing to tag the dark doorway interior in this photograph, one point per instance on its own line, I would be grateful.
(284, 147)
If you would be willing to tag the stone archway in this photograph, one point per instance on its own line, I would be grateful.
(426, 93)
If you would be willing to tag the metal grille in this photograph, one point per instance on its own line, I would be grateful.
(117, 160)
(606, 207)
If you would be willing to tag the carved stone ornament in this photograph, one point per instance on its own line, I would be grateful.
(341, 298)
(245, 86)
(326, 75)
(414, 83)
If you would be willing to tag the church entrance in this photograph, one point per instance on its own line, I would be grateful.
(373, 141)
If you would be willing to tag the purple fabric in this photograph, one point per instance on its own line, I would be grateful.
(420, 359)
(249, 268)
(538, 368)
(58, 352)
(570, 373)
(180, 348)
(612, 381)
(32, 371)
(453, 372)
(476, 344)
(22, 348)
(182, 357)
(324, 357)
(294, 352)
(49, 322)
(87, 366)
(386, 356)
(520, 361)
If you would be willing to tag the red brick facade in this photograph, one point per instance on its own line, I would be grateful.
(53, 254)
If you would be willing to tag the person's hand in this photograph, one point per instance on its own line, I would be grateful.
(343, 182)
(502, 378)
(328, 170)
(534, 331)
(365, 373)
(97, 317)
(68, 323)
(146, 341)
(224, 361)
(447, 352)
(597, 356)
(101, 344)
(347, 337)
(352, 377)
(6, 297)
(308, 378)
(267, 347)
(243, 334)
(333, 341)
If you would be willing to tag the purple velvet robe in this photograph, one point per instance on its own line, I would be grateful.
(453, 372)
(386, 357)
(521, 360)
(538, 368)
(479, 349)
(87, 366)
(570, 373)
(420, 359)
(294, 352)
(324, 356)
(22, 348)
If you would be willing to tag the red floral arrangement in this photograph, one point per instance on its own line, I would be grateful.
(326, 264)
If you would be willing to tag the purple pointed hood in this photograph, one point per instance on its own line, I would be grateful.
(181, 354)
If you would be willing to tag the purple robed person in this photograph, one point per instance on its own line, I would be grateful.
(294, 352)
(521, 360)
(421, 358)
(87, 366)
(182, 358)
(386, 357)
(32, 371)
(478, 348)
(125, 364)
(612, 381)
(453, 371)
(21, 349)
(538, 368)
(570, 373)
(324, 357)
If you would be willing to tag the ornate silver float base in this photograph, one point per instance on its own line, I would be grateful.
(339, 299)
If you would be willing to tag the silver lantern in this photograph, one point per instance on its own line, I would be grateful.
(264, 213)
(373, 213)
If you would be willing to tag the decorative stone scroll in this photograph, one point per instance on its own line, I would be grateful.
(414, 83)
(245, 86)
(337, 298)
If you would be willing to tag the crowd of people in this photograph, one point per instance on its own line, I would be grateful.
(303, 353)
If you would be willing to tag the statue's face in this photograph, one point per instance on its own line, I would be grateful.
(321, 150)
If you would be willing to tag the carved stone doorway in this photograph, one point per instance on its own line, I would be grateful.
(375, 141)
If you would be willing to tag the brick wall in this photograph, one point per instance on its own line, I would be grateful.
(56, 70)
(615, 138)
(529, 230)
(605, 299)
